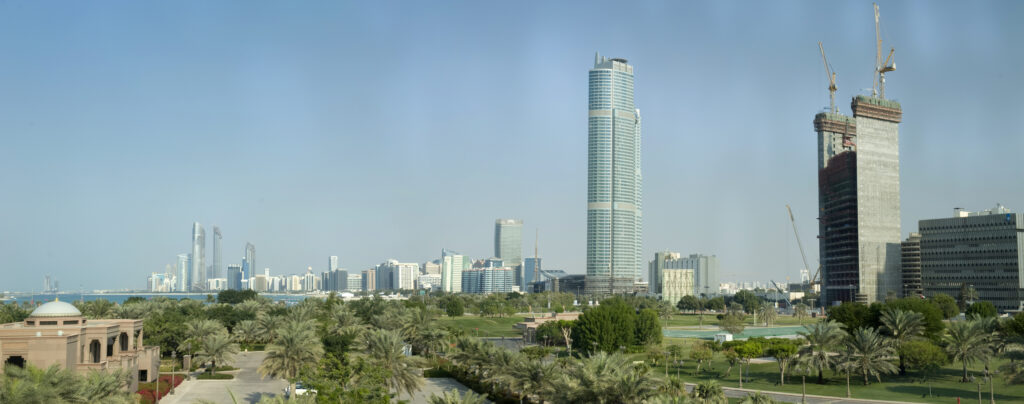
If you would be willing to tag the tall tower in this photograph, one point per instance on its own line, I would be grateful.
(249, 261)
(198, 268)
(508, 245)
(217, 270)
(613, 179)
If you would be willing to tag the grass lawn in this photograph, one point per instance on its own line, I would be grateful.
(711, 323)
(484, 326)
(946, 386)
(218, 376)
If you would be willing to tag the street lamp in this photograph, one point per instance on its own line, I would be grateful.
(174, 356)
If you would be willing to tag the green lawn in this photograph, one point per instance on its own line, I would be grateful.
(484, 326)
(711, 323)
(946, 386)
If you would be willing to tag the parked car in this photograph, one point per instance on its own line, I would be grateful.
(300, 390)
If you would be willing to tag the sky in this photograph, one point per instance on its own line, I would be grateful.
(377, 130)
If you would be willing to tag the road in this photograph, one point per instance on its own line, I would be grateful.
(732, 392)
(246, 386)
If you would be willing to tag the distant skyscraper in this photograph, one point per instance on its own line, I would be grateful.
(531, 266)
(249, 262)
(703, 280)
(332, 263)
(234, 277)
(859, 201)
(613, 179)
(508, 241)
(183, 273)
(198, 259)
(452, 265)
(217, 270)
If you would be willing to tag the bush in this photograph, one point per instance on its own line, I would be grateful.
(982, 309)
(148, 393)
(218, 376)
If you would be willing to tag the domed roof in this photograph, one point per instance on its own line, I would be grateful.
(56, 308)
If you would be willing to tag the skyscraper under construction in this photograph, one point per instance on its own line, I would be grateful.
(859, 195)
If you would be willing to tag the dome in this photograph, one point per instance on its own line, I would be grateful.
(56, 309)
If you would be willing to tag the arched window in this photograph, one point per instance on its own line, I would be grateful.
(94, 350)
(18, 361)
(124, 341)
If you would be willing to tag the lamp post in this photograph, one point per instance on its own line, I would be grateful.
(174, 356)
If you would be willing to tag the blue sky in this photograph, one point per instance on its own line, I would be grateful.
(376, 130)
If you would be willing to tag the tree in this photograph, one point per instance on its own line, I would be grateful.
(701, 353)
(924, 356)
(732, 323)
(386, 348)
(715, 304)
(529, 377)
(851, 315)
(903, 327)
(246, 332)
(732, 358)
(867, 353)
(758, 398)
(689, 302)
(767, 314)
(967, 342)
(230, 296)
(453, 307)
(932, 314)
(748, 299)
(800, 311)
(603, 378)
(967, 295)
(709, 392)
(648, 328)
(746, 351)
(453, 397)
(982, 309)
(32, 385)
(605, 327)
(783, 350)
(296, 346)
(947, 304)
(196, 330)
(821, 339)
(216, 348)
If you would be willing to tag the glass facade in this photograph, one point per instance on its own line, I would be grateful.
(197, 269)
(613, 179)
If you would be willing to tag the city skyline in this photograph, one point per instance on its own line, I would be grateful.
(121, 125)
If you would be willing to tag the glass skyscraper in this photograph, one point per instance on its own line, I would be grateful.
(613, 179)
(197, 277)
(508, 245)
(216, 271)
(249, 261)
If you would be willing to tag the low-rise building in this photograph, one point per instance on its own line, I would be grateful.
(529, 325)
(56, 333)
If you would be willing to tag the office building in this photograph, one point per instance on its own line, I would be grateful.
(531, 271)
(183, 273)
(235, 277)
(430, 282)
(431, 267)
(335, 280)
(260, 283)
(613, 179)
(332, 263)
(489, 280)
(396, 275)
(216, 269)
(677, 283)
(705, 272)
(355, 283)
(249, 261)
(859, 200)
(981, 250)
(197, 269)
(369, 280)
(911, 265)
(452, 265)
(508, 245)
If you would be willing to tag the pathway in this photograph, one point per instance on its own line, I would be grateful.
(733, 392)
(246, 386)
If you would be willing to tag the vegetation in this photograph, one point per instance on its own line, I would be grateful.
(32, 385)
(614, 325)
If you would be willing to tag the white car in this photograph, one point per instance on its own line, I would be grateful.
(300, 390)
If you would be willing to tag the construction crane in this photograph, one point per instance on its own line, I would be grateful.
(831, 82)
(814, 279)
(785, 296)
(878, 89)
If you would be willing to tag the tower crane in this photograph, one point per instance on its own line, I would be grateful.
(817, 272)
(878, 89)
(831, 81)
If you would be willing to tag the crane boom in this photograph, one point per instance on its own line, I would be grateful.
(798, 243)
(881, 67)
(831, 81)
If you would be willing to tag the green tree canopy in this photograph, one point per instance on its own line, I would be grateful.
(947, 304)
(982, 309)
(605, 327)
(851, 315)
(689, 302)
(648, 328)
(236, 296)
(748, 299)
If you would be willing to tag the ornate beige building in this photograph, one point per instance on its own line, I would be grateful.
(676, 284)
(57, 333)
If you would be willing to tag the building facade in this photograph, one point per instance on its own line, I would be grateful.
(235, 277)
(677, 283)
(613, 179)
(216, 270)
(705, 270)
(355, 282)
(910, 251)
(197, 263)
(452, 265)
(249, 261)
(489, 280)
(859, 200)
(369, 280)
(531, 271)
(183, 269)
(508, 244)
(983, 250)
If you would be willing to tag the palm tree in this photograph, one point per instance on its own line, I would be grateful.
(800, 312)
(967, 342)
(766, 314)
(268, 326)
(709, 392)
(821, 340)
(246, 331)
(530, 377)
(215, 348)
(386, 348)
(868, 354)
(195, 331)
(453, 397)
(31, 385)
(295, 347)
(603, 378)
(758, 398)
(903, 326)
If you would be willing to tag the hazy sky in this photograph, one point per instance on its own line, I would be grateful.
(374, 130)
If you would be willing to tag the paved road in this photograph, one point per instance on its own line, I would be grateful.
(438, 386)
(246, 386)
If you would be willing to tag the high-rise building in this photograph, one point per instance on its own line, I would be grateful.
(332, 263)
(532, 267)
(859, 201)
(613, 179)
(197, 277)
(980, 250)
(452, 265)
(369, 280)
(911, 265)
(488, 280)
(431, 267)
(355, 282)
(216, 270)
(183, 273)
(234, 277)
(508, 242)
(335, 280)
(704, 278)
(249, 261)
(675, 284)
(397, 275)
